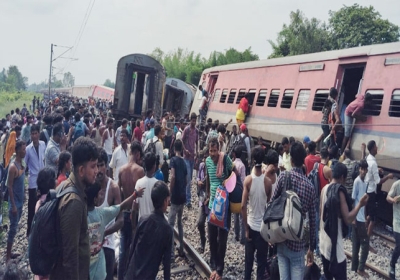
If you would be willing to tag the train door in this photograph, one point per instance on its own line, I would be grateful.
(350, 84)
(211, 84)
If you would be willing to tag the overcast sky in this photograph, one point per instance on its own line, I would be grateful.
(119, 27)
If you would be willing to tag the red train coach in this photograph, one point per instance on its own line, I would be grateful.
(288, 94)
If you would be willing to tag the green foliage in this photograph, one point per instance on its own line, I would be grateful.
(108, 83)
(349, 27)
(188, 65)
(12, 79)
(355, 25)
(12, 99)
(301, 36)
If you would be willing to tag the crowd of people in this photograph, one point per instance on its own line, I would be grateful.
(126, 177)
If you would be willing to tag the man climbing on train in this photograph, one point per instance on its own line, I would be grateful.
(354, 112)
(242, 110)
(203, 104)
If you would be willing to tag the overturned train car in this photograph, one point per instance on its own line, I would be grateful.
(139, 86)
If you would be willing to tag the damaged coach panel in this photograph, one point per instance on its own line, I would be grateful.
(138, 87)
(178, 97)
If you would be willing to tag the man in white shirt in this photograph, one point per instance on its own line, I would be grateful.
(360, 238)
(180, 131)
(239, 227)
(117, 138)
(373, 179)
(156, 140)
(120, 156)
(203, 102)
(332, 239)
(144, 204)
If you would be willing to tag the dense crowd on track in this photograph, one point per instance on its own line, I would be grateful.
(98, 192)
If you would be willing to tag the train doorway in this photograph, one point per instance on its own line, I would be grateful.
(351, 85)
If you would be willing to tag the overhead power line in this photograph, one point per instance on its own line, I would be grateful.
(80, 33)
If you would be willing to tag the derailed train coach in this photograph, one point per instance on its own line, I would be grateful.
(287, 96)
(178, 97)
(139, 86)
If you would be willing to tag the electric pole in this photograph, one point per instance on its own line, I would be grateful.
(51, 67)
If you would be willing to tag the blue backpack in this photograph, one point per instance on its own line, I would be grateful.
(79, 131)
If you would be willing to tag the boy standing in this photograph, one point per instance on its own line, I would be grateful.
(178, 193)
(360, 237)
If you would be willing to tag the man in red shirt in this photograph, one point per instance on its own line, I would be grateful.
(353, 112)
(311, 159)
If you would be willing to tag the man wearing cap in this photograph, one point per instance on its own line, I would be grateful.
(150, 135)
(306, 141)
(246, 141)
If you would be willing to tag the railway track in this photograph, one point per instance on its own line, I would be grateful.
(377, 270)
(387, 239)
(195, 260)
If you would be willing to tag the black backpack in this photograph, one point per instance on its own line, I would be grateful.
(151, 147)
(45, 240)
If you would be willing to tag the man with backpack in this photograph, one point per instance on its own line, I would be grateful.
(291, 253)
(80, 129)
(47, 129)
(217, 236)
(154, 145)
(336, 216)
(74, 258)
(256, 193)
(244, 141)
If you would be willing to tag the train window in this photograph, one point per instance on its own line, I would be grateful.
(223, 96)
(394, 109)
(374, 108)
(232, 96)
(242, 92)
(273, 98)
(287, 99)
(302, 99)
(252, 95)
(319, 99)
(262, 95)
(217, 93)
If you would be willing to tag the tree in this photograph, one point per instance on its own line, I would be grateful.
(68, 80)
(349, 27)
(108, 83)
(301, 36)
(15, 78)
(355, 25)
(188, 65)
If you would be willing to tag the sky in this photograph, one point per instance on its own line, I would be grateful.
(116, 28)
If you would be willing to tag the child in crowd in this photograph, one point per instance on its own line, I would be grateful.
(64, 166)
(97, 219)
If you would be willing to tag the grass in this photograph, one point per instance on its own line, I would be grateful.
(11, 100)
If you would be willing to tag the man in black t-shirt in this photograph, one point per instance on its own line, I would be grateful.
(178, 193)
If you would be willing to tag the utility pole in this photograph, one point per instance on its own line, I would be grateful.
(51, 67)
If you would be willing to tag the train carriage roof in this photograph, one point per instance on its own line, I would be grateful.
(312, 57)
